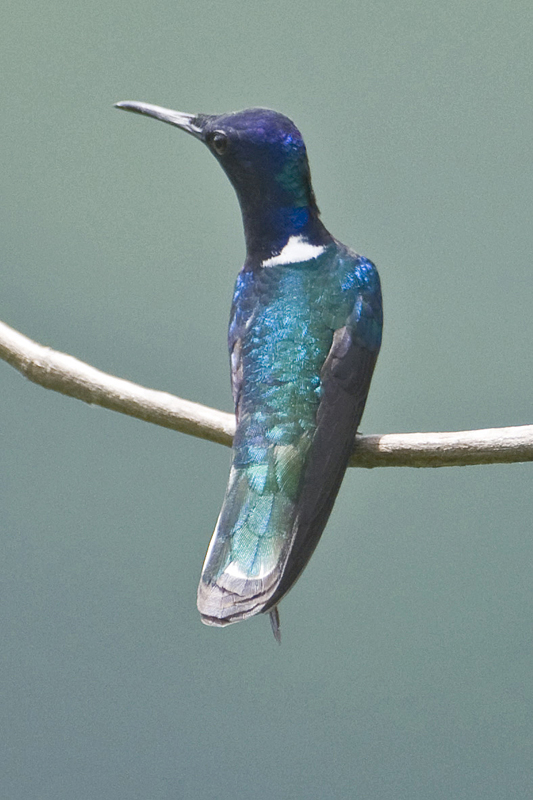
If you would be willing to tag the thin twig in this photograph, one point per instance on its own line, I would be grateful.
(66, 374)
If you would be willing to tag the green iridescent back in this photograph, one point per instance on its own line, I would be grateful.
(282, 329)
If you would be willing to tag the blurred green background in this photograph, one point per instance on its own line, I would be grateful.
(405, 668)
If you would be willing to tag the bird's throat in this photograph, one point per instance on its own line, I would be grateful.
(267, 231)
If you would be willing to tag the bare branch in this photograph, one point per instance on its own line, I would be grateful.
(448, 449)
(68, 375)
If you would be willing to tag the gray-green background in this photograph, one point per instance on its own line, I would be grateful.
(405, 668)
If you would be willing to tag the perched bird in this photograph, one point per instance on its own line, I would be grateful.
(304, 336)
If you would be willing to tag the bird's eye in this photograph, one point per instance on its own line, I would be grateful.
(219, 142)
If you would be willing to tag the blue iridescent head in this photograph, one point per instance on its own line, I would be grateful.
(263, 154)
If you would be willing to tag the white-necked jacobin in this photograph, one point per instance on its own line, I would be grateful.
(304, 336)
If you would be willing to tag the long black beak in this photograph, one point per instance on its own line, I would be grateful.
(187, 122)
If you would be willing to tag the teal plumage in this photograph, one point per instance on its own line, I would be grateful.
(304, 336)
(280, 345)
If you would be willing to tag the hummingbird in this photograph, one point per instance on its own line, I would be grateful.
(304, 335)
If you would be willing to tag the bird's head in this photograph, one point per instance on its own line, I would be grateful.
(264, 156)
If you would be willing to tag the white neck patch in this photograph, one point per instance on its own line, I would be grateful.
(297, 249)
